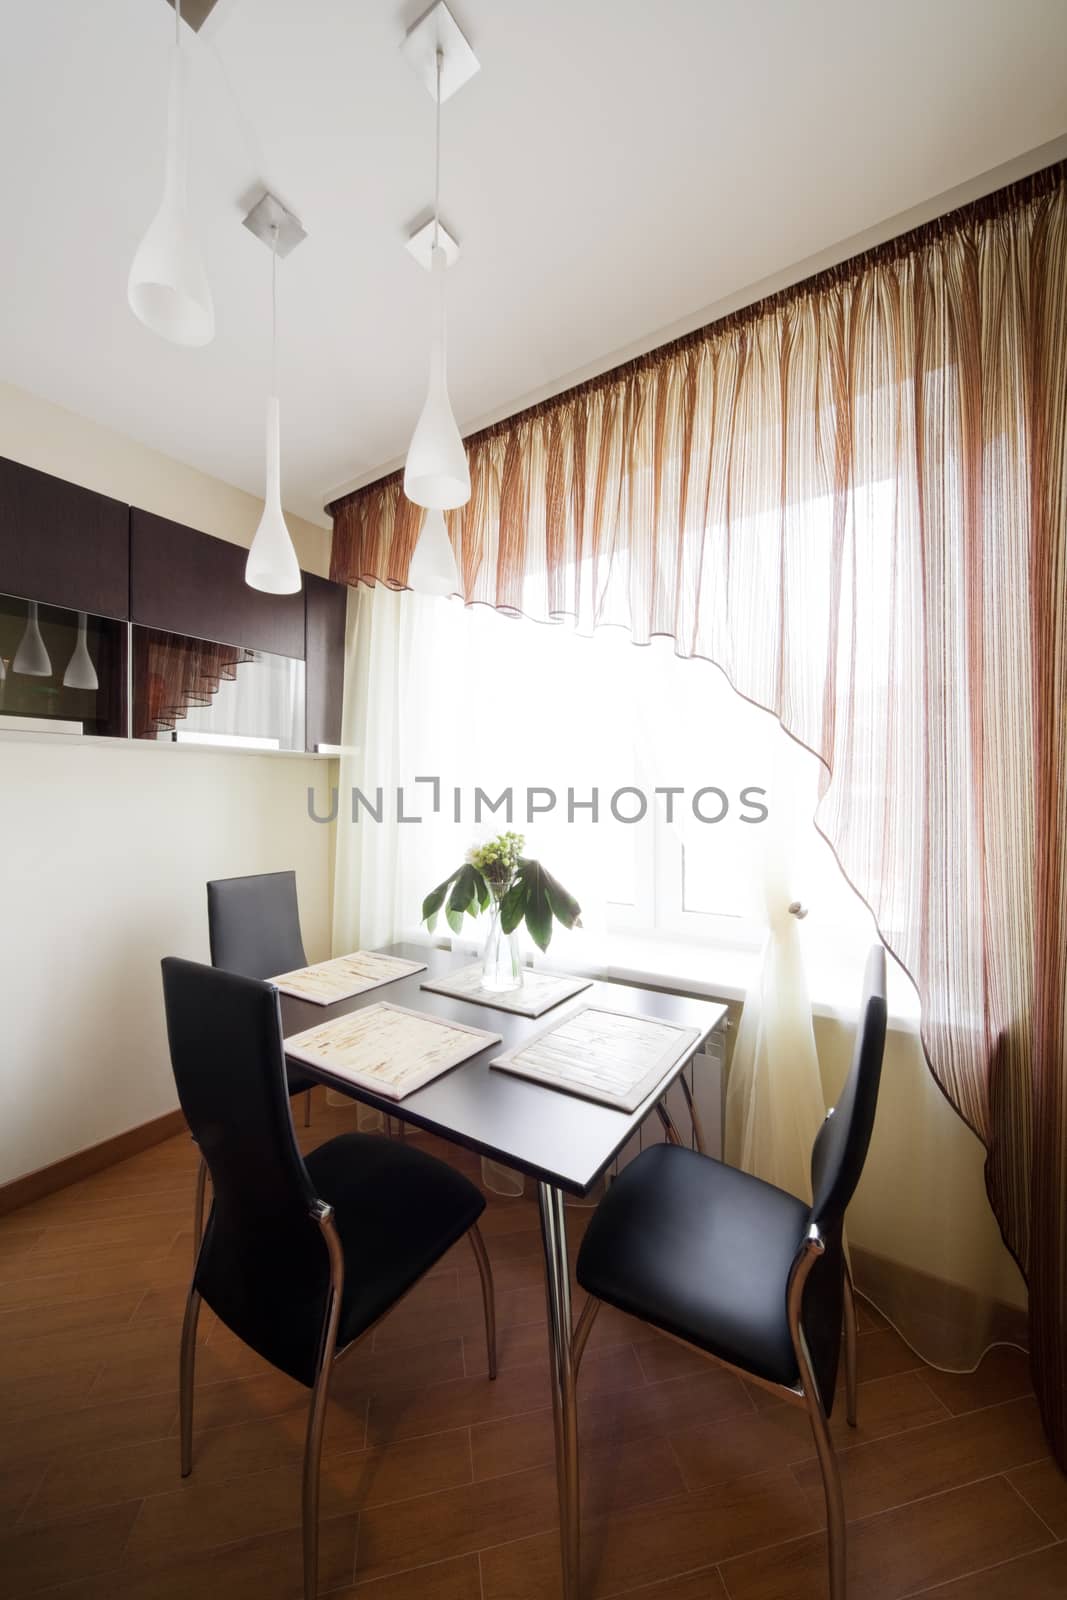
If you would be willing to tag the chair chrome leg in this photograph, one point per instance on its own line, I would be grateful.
(850, 1348)
(835, 1502)
(307, 1108)
(187, 1378)
(564, 1412)
(319, 1396)
(198, 1210)
(485, 1272)
(808, 1254)
(312, 1466)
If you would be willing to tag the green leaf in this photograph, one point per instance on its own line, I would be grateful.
(513, 906)
(464, 896)
(565, 907)
(535, 897)
(434, 901)
(538, 910)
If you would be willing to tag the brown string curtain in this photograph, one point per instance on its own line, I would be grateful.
(853, 498)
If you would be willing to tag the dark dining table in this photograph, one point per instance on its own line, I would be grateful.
(562, 1142)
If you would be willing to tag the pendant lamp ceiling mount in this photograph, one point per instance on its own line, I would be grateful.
(438, 30)
(196, 12)
(269, 214)
(421, 243)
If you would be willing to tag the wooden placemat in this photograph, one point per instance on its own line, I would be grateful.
(540, 991)
(387, 1049)
(329, 981)
(612, 1057)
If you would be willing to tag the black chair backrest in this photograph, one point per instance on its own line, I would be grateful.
(263, 1265)
(841, 1145)
(837, 1159)
(254, 925)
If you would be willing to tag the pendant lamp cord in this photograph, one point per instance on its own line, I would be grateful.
(437, 158)
(178, 23)
(274, 309)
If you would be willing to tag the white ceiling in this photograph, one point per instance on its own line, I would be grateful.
(617, 168)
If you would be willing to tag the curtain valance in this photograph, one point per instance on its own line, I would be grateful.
(617, 499)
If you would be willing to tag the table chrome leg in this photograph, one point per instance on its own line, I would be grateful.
(670, 1127)
(564, 1413)
(694, 1115)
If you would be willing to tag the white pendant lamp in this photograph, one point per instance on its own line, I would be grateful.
(31, 657)
(272, 565)
(436, 474)
(80, 673)
(168, 288)
(433, 567)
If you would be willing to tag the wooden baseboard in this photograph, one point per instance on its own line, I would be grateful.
(60, 1174)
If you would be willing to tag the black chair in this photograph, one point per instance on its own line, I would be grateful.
(301, 1257)
(744, 1272)
(253, 927)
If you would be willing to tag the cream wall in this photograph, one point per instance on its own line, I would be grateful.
(922, 1200)
(106, 846)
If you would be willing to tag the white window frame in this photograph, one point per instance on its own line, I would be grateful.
(696, 927)
(660, 886)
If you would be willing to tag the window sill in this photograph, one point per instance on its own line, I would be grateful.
(725, 972)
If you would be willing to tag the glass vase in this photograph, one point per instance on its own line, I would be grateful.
(501, 958)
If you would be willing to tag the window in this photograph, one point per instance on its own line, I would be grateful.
(657, 791)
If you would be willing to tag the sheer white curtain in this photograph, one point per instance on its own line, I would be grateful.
(932, 676)
(376, 871)
(774, 1101)
(479, 702)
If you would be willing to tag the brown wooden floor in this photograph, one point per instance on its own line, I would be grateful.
(438, 1485)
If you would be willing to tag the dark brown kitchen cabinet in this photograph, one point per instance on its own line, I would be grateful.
(61, 544)
(185, 582)
(71, 550)
(326, 607)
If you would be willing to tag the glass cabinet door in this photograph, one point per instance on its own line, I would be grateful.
(66, 668)
(197, 691)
